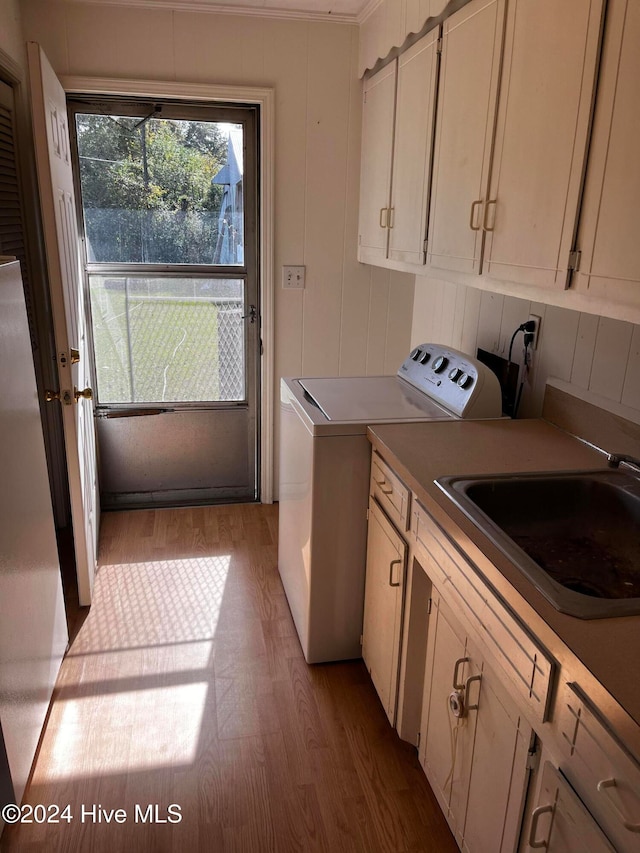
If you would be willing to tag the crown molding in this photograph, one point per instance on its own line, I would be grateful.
(367, 11)
(222, 9)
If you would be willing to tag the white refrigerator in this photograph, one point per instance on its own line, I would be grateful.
(33, 627)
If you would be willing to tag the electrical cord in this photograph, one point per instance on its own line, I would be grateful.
(528, 329)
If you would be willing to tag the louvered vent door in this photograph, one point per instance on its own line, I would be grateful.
(11, 229)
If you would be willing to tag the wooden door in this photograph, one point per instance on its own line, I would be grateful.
(384, 592)
(469, 72)
(544, 115)
(55, 181)
(378, 107)
(413, 146)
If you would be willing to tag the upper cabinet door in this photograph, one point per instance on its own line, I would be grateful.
(378, 108)
(544, 114)
(411, 179)
(470, 64)
(608, 237)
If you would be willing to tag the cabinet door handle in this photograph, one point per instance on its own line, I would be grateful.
(458, 685)
(383, 215)
(493, 202)
(602, 789)
(391, 565)
(467, 693)
(390, 217)
(535, 817)
(474, 204)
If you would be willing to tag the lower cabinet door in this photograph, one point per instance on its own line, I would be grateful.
(498, 774)
(446, 741)
(384, 592)
(560, 822)
(474, 743)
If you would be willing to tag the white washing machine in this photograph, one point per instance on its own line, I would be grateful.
(324, 480)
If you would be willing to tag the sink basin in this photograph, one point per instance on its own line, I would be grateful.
(575, 536)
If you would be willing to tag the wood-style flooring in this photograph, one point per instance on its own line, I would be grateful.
(186, 685)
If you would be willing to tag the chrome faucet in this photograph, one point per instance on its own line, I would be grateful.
(615, 459)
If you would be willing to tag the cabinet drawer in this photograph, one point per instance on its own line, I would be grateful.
(527, 666)
(390, 492)
(601, 771)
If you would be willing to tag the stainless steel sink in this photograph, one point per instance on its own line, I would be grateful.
(575, 536)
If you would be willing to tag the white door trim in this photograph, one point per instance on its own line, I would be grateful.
(265, 99)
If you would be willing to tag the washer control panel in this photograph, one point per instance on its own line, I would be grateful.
(457, 381)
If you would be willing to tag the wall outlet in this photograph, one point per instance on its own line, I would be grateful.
(293, 278)
(537, 320)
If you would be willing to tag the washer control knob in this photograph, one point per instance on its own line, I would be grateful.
(415, 355)
(465, 381)
(425, 357)
(440, 363)
(455, 374)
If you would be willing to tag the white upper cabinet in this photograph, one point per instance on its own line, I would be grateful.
(544, 114)
(411, 176)
(609, 229)
(378, 109)
(397, 135)
(470, 63)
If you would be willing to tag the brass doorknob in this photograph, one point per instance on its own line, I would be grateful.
(87, 394)
(50, 396)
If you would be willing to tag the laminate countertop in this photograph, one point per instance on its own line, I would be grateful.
(602, 655)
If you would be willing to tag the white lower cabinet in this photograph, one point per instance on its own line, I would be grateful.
(460, 674)
(474, 742)
(383, 600)
(560, 823)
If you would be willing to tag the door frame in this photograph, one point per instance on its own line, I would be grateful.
(264, 99)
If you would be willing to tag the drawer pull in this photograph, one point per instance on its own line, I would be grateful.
(458, 685)
(535, 817)
(602, 789)
(380, 484)
(391, 565)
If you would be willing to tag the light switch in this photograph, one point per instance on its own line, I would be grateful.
(293, 278)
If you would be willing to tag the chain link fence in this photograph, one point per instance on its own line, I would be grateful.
(152, 346)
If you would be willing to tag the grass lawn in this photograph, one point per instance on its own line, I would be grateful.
(168, 350)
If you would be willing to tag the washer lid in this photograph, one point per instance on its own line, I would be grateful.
(371, 399)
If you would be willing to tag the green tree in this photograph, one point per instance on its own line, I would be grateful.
(155, 176)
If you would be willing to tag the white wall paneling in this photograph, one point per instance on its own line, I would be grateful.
(11, 40)
(610, 358)
(596, 354)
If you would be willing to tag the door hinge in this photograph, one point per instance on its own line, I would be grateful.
(367, 514)
(574, 260)
(532, 757)
(429, 604)
(439, 45)
(424, 246)
(418, 740)
(361, 639)
(573, 265)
